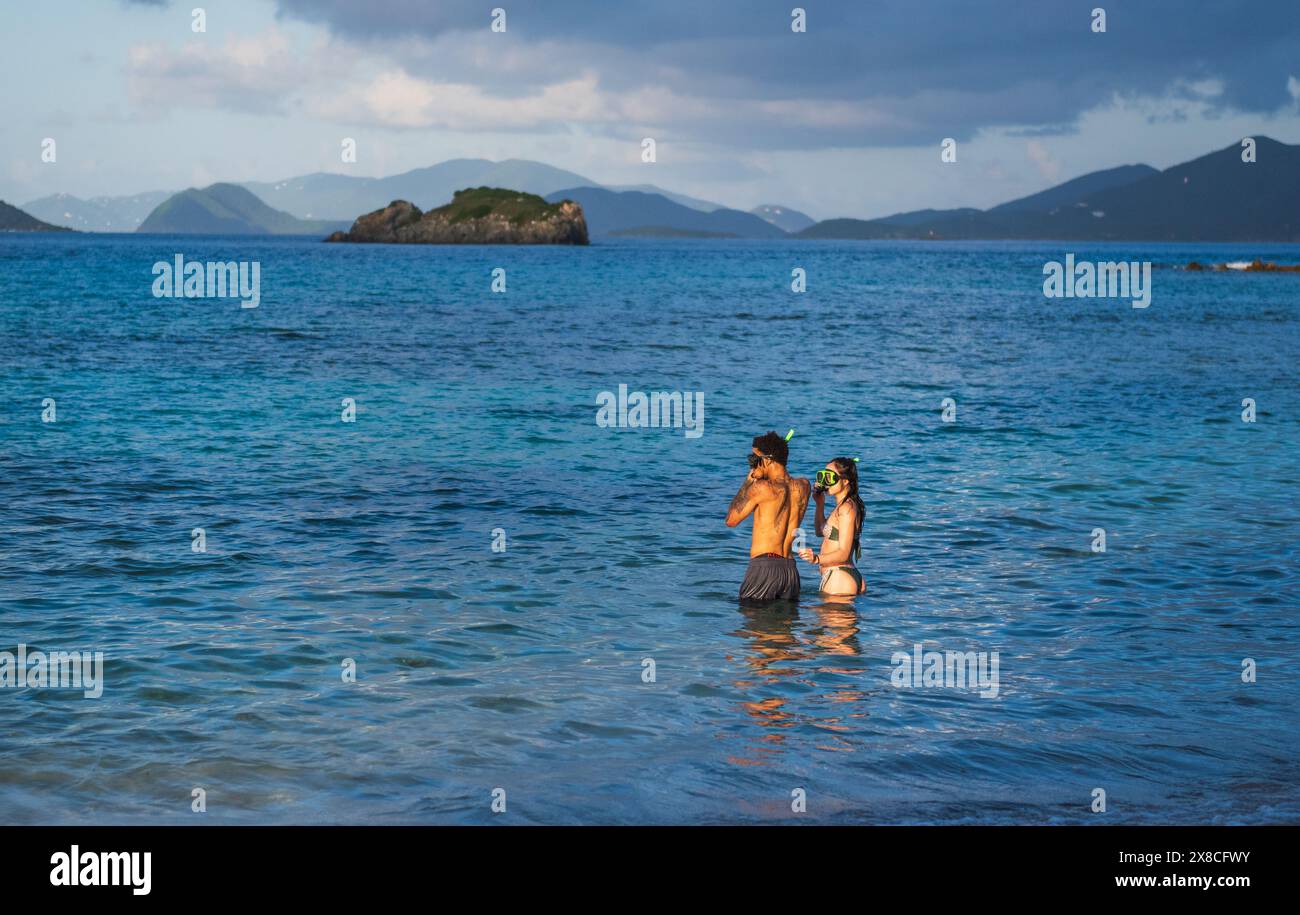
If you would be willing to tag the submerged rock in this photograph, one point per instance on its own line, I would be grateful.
(475, 216)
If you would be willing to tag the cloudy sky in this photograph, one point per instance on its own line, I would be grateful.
(845, 119)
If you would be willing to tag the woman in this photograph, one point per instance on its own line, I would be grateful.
(842, 531)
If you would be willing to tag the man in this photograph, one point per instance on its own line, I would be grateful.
(777, 501)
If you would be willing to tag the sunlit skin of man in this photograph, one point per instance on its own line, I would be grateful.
(769, 493)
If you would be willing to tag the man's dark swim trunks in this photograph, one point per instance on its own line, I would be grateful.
(770, 577)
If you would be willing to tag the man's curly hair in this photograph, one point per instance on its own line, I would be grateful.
(774, 446)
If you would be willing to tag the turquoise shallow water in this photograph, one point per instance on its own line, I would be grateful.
(523, 669)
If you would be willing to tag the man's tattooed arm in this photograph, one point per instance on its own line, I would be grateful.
(740, 506)
(743, 495)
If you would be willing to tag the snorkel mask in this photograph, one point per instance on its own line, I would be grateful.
(826, 478)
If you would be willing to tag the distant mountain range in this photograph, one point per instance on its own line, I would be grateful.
(98, 214)
(637, 213)
(1217, 197)
(228, 209)
(13, 219)
(341, 198)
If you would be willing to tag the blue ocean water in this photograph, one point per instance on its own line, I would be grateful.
(523, 669)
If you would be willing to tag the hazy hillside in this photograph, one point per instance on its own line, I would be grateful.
(695, 203)
(920, 217)
(13, 219)
(1216, 197)
(228, 209)
(344, 197)
(634, 212)
(784, 218)
(1079, 189)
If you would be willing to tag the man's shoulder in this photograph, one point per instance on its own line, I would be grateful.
(770, 489)
(767, 489)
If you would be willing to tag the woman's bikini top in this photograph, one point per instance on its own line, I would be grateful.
(835, 531)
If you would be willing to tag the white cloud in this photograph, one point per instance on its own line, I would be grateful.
(1043, 160)
(394, 98)
(332, 79)
(263, 73)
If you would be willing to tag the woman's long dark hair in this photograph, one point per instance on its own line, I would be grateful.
(848, 469)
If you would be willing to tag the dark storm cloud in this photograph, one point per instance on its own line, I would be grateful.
(926, 68)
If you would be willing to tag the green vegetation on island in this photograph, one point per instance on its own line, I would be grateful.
(516, 207)
(482, 215)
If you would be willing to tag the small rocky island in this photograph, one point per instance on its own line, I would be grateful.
(475, 216)
(1255, 266)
